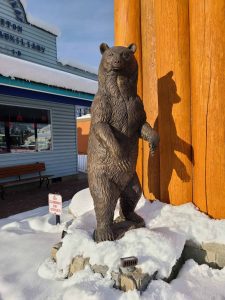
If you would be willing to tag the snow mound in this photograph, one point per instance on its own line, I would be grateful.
(194, 282)
(157, 249)
(81, 203)
(184, 219)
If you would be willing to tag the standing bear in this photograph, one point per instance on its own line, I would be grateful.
(118, 120)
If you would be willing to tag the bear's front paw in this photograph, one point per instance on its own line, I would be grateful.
(103, 234)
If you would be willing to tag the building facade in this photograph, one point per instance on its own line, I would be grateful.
(39, 97)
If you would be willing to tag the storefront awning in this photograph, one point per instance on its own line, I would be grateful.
(22, 88)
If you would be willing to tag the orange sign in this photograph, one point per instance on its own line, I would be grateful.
(55, 204)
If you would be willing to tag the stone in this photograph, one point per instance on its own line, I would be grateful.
(116, 278)
(212, 254)
(127, 283)
(130, 280)
(195, 252)
(214, 247)
(220, 260)
(215, 253)
(64, 233)
(78, 264)
(175, 270)
(100, 269)
(210, 257)
(55, 249)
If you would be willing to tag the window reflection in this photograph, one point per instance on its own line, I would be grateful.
(44, 137)
(22, 137)
(24, 129)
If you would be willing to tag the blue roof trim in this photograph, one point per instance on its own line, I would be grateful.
(35, 95)
(19, 83)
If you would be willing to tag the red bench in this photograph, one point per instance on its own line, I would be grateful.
(19, 171)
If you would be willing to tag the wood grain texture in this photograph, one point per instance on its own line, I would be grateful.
(151, 173)
(174, 119)
(127, 30)
(207, 33)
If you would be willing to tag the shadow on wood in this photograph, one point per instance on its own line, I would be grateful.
(170, 142)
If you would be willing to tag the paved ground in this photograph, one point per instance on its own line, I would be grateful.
(25, 198)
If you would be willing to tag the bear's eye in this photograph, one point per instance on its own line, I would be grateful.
(110, 54)
(126, 55)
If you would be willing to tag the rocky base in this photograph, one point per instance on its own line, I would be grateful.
(133, 279)
(212, 254)
(125, 280)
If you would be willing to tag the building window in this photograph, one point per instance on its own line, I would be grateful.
(82, 110)
(24, 129)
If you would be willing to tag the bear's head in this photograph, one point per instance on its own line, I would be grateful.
(118, 60)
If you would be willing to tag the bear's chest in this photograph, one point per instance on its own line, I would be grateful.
(127, 116)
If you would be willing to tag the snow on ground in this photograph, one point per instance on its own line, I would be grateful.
(18, 68)
(184, 219)
(27, 238)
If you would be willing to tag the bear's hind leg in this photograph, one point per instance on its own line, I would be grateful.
(105, 195)
(129, 199)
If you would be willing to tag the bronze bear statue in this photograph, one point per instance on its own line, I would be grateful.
(118, 120)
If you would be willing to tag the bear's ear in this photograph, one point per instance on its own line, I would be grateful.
(103, 47)
(132, 47)
(170, 74)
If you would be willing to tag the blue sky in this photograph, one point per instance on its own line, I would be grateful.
(84, 24)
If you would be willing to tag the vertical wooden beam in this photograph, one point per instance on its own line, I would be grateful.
(127, 22)
(173, 61)
(207, 33)
(151, 180)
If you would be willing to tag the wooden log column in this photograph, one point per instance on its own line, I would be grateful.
(174, 116)
(127, 22)
(151, 172)
(207, 36)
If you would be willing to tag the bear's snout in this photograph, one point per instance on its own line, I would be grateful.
(117, 63)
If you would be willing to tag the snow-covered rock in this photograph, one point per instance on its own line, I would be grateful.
(156, 250)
